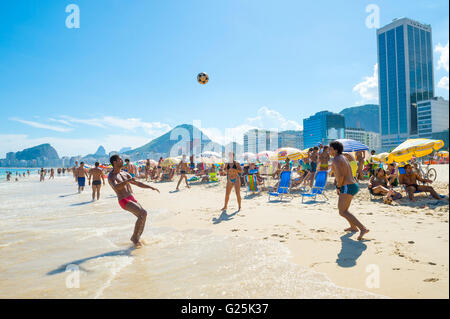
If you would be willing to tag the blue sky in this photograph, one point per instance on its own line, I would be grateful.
(128, 74)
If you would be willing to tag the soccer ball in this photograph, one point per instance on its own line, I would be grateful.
(202, 78)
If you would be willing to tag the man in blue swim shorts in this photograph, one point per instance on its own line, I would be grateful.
(346, 188)
(81, 173)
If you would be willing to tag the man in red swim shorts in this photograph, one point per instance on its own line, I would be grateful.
(120, 182)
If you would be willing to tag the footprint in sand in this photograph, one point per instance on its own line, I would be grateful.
(431, 263)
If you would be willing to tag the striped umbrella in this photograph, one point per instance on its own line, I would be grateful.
(265, 156)
(415, 147)
(381, 158)
(352, 145)
(285, 152)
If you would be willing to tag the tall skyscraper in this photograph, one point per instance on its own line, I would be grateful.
(405, 77)
(323, 127)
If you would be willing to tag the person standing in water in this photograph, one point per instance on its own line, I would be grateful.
(97, 178)
(182, 167)
(120, 182)
(52, 174)
(81, 173)
(346, 188)
(233, 169)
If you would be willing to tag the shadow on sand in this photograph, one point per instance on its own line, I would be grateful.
(82, 203)
(350, 252)
(224, 217)
(62, 268)
(68, 195)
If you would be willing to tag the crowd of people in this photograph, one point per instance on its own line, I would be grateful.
(348, 171)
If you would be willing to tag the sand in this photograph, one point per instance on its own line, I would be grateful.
(194, 250)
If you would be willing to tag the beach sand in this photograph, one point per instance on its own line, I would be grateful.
(193, 250)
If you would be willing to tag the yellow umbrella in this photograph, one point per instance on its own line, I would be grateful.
(285, 152)
(442, 154)
(417, 147)
(170, 161)
(381, 158)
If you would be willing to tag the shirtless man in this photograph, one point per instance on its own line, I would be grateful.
(182, 167)
(81, 173)
(324, 158)
(74, 169)
(120, 182)
(42, 175)
(346, 188)
(132, 170)
(360, 156)
(97, 177)
(409, 179)
(313, 161)
(52, 174)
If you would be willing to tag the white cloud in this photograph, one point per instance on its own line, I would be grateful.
(41, 125)
(265, 119)
(443, 59)
(129, 124)
(271, 119)
(368, 89)
(69, 146)
(443, 83)
(442, 64)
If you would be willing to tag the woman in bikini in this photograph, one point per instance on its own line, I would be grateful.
(380, 185)
(233, 170)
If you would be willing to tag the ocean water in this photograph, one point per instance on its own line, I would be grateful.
(55, 243)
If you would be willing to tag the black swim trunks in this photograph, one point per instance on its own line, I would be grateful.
(97, 182)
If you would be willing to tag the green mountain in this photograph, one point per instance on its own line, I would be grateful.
(164, 144)
(364, 116)
(40, 151)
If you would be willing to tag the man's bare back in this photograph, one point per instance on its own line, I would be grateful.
(96, 174)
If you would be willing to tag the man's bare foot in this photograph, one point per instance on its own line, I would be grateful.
(362, 233)
(224, 208)
(353, 230)
(188, 186)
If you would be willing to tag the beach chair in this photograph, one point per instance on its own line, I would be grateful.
(320, 181)
(284, 186)
(252, 185)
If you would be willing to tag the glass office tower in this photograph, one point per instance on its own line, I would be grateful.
(405, 77)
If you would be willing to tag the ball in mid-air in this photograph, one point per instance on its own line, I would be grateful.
(202, 78)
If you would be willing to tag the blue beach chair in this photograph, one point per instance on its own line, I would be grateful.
(284, 186)
(320, 180)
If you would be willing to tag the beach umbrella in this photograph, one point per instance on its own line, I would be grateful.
(352, 145)
(415, 147)
(265, 156)
(291, 152)
(170, 161)
(381, 158)
(442, 154)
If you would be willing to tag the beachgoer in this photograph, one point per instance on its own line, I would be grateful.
(120, 182)
(380, 184)
(182, 167)
(324, 158)
(409, 179)
(42, 175)
(147, 169)
(52, 174)
(233, 170)
(81, 173)
(96, 174)
(74, 171)
(360, 155)
(346, 187)
(314, 157)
